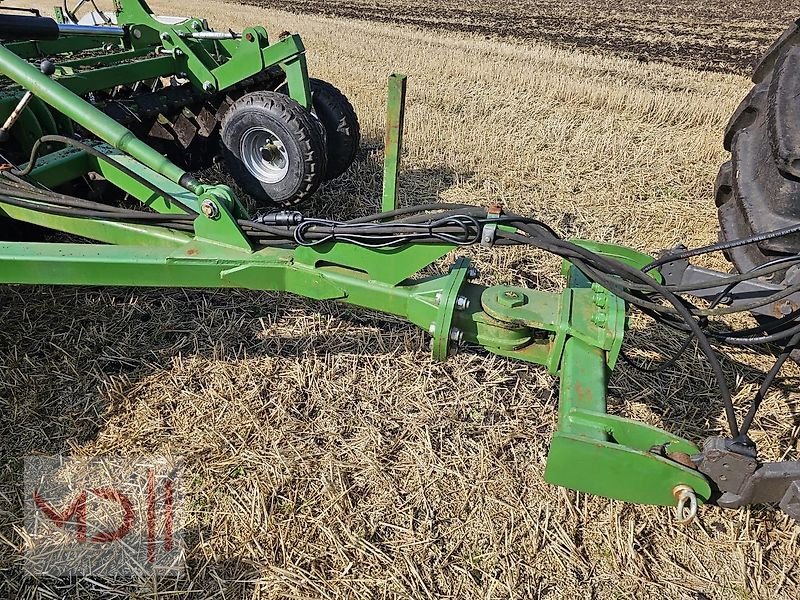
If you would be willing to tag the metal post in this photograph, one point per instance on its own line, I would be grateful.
(395, 117)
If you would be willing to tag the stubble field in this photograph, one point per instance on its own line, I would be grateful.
(710, 35)
(327, 455)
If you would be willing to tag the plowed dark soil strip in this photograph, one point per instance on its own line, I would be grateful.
(712, 35)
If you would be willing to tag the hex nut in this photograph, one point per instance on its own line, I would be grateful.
(511, 299)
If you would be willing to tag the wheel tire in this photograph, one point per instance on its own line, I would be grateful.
(339, 119)
(758, 190)
(297, 162)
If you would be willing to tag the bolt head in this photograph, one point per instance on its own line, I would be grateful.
(210, 209)
(473, 273)
(456, 335)
(209, 87)
(600, 318)
(600, 299)
(462, 303)
(786, 308)
(136, 33)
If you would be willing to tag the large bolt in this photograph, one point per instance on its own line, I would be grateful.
(209, 88)
(600, 318)
(786, 308)
(600, 299)
(462, 303)
(210, 209)
(512, 299)
(473, 273)
(456, 335)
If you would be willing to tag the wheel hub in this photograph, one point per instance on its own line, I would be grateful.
(264, 155)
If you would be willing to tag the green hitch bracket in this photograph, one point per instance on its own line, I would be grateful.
(393, 143)
(578, 336)
(611, 456)
(442, 330)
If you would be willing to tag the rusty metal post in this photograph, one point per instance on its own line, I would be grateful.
(395, 118)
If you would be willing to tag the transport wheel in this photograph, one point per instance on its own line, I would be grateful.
(273, 148)
(341, 125)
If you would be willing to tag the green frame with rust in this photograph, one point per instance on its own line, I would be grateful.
(577, 335)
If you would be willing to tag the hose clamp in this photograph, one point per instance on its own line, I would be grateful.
(490, 230)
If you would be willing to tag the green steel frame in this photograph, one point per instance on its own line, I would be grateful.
(576, 335)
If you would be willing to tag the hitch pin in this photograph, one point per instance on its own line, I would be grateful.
(686, 510)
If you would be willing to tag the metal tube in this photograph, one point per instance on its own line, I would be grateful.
(91, 30)
(395, 118)
(94, 120)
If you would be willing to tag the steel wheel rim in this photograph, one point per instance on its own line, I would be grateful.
(264, 155)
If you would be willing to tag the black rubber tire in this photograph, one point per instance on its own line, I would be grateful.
(300, 135)
(342, 129)
(758, 190)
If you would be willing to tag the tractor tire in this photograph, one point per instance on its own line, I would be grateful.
(342, 129)
(758, 190)
(273, 148)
